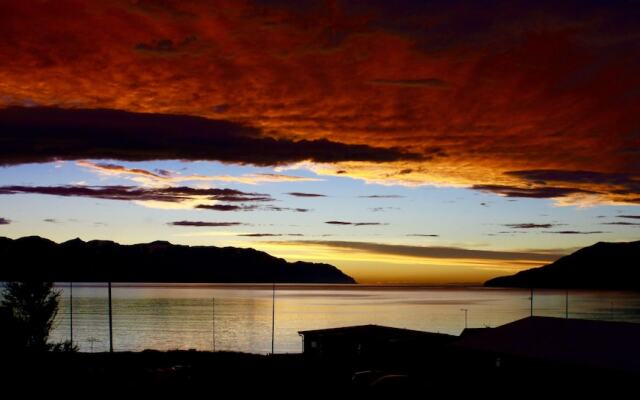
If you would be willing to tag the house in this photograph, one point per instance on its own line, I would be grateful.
(370, 341)
(546, 341)
(472, 332)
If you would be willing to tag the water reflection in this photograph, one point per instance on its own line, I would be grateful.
(179, 317)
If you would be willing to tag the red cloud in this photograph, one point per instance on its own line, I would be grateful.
(477, 91)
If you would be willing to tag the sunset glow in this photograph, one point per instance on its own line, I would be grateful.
(428, 143)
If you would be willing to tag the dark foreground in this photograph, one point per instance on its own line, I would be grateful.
(185, 374)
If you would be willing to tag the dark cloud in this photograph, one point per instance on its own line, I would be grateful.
(433, 83)
(51, 220)
(221, 108)
(235, 198)
(576, 232)
(622, 223)
(260, 234)
(369, 223)
(629, 216)
(301, 194)
(422, 235)
(4, 221)
(294, 209)
(354, 223)
(244, 207)
(165, 45)
(133, 193)
(433, 251)
(529, 226)
(40, 134)
(381, 209)
(544, 192)
(616, 184)
(543, 176)
(163, 172)
(135, 171)
(226, 207)
(382, 196)
(270, 234)
(204, 223)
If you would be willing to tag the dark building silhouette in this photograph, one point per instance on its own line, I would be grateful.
(546, 341)
(467, 332)
(370, 341)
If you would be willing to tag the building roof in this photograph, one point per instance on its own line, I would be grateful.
(472, 332)
(600, 344)
(372, 331)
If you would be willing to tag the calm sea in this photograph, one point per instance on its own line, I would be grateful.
(184, 317)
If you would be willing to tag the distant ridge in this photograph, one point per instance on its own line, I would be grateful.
(36, 258)
(600, 266)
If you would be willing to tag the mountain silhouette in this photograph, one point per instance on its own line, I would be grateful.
(36, 258)
(600, 266)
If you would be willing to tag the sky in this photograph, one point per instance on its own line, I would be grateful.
(424, 142)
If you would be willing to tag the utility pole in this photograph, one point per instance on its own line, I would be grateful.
(71, 313)
(531, 299)
(465, 316)
(213, 323)
(273, 316)
(110, 321)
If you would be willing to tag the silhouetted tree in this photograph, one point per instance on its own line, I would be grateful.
(27, 311)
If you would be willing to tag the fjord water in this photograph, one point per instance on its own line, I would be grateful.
(171, 317)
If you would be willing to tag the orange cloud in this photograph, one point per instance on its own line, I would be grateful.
(482, 92)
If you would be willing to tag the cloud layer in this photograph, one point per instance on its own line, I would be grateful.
(301, 194)
(132, 193)
(529, 225)
(514, 97)
(355, 223)
(433, 251)
(37, 134)
(205, 224)
(163, 177)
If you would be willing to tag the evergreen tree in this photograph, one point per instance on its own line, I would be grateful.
(28, 310)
